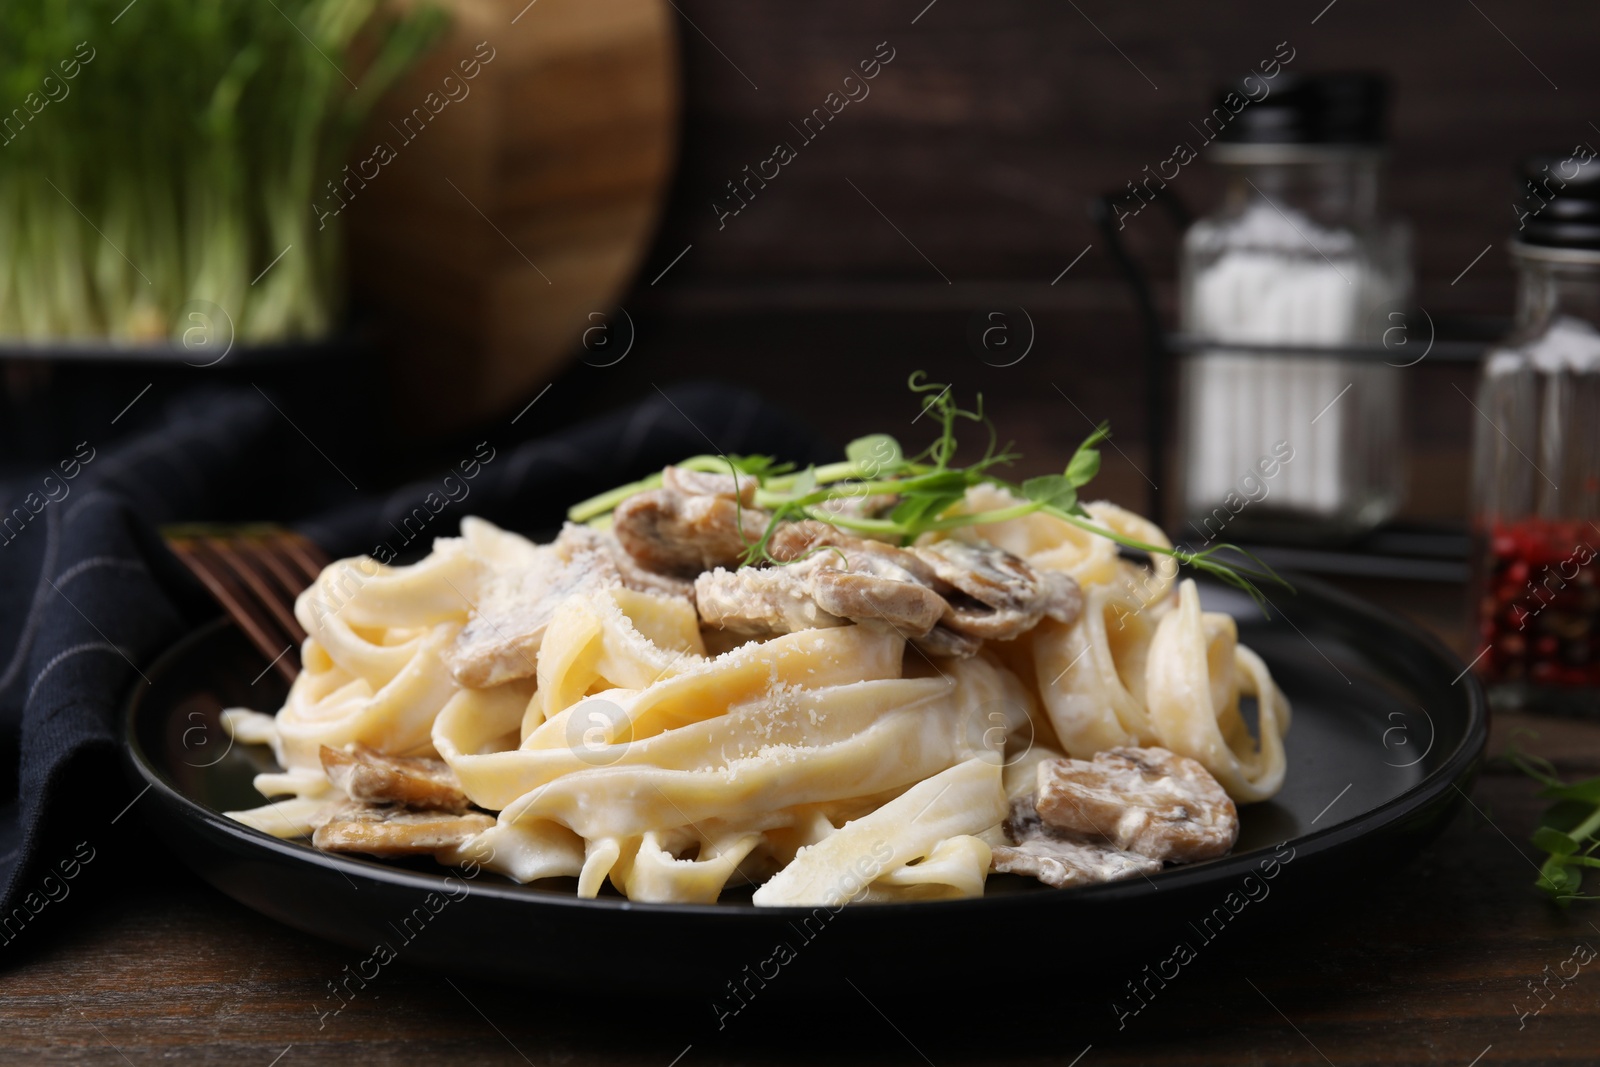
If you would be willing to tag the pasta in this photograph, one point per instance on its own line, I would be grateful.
(619, 738)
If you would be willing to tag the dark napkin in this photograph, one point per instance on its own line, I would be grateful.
(89, 593)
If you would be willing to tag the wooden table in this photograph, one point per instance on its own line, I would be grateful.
(1433, 964)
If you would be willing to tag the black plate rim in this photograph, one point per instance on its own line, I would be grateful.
(1458, 767)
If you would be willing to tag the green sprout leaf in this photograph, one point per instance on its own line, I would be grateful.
(1567, 830)
(919, 506)
(758, 466)
(1085, 462)
(1553, 841)
(1559, 880)
(1055, 490)
(805, 482)
(1582, 793)
(875, 454)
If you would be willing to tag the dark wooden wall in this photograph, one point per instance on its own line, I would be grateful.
(996, 120)
(980, 144)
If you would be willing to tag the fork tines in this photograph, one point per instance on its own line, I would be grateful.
(255, 573)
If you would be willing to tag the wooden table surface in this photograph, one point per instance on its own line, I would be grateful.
(1433, 964)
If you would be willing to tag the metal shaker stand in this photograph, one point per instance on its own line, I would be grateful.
(1434, 552)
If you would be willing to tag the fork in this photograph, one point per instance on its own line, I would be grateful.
(255, 572)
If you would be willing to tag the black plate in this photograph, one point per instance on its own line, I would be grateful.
(1388, 731)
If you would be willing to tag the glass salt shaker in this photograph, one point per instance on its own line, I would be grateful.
(1536, 458)
(1302, 444)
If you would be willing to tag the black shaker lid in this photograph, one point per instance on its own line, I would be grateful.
(1348, 108)
(1558, 199)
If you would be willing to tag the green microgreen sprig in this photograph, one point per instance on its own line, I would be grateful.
(919, 491)
(1569, 830)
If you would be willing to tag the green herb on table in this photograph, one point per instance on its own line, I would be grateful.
(1568, 830)
(920, 492)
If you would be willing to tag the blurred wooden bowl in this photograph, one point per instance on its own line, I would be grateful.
(515, 204)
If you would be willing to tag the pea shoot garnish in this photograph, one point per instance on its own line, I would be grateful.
(1569, 830)
(879, 491)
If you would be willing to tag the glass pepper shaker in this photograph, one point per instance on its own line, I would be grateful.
(1536, 459)
(1301, 253)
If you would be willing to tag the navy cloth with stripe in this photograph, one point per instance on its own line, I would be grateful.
(89, 593)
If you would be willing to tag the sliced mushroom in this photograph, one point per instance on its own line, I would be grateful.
(826, 576)
(675, 531)
(793, 541)
(1061, 858)
(887, 561)
(501, 640)
(1146, 800)
(998, 595)
(943, 642)
(1063, 596)
(813, 593)
(910, 608)
(701, 483)
(988, 574)
(760, 602)
(978, 591)
(576, 538)
(947, 597)
(364, 774)
(396, 831)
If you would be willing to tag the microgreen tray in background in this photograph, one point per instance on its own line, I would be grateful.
(159, 156)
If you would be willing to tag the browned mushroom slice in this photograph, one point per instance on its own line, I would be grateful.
(1061, 863)
(1060, 858)
(848, 577)
(980, 622)
(811, 594)
(367, 775)
(502, 638)
(872, 580)
(809, 538)
(796, 540)
(701, 483)
(1063, 596)
(760, 601)
(396, 831)
(576, 539)
(941, 641)
(910, 608)
(988, 574)
(1146, 800)
(998, 595)
(676, 533)
(887, 561)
